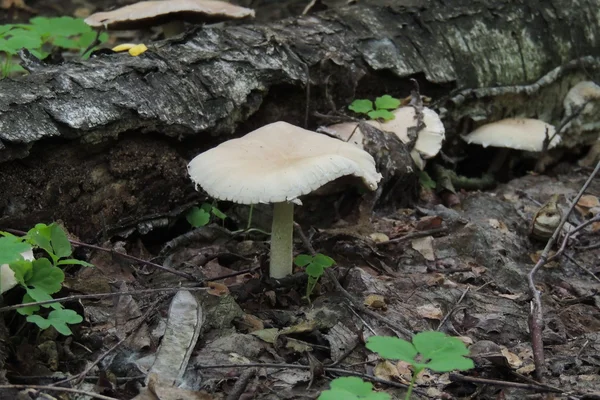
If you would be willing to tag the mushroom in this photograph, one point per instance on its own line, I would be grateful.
(7, 275)
(428, 142)
(514, 133)
(168, 13)
(277, 164)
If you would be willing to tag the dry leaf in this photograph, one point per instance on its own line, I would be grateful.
(379, 237)
(298, 345)
(217, 289)
(513, 360)
(509, 296)
(430, 311)
(497, 224)
(425, 247)
(386, 370)
(527, 369)
(466, 340)
(268, 335)
(375, 301)
(429, 222)
(252, 323)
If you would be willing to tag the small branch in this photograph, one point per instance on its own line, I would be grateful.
(81, 376)
(415, 235)
(443, 321)
(338, 286)
(536, 315)
(58, 389)
(494, 382)
(127, 256)
(98, 296)
(240, 385)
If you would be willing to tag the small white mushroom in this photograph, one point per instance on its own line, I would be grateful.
(429, 140)
(154, 13)
(7, 275)
(277, 164)
(514, 133)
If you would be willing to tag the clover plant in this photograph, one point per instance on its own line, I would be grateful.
(42, 277)
(432, 350)
(200, 216)
(314, 268)
(43, 34)
(380, 110)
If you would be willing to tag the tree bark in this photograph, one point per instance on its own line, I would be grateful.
(102, 142)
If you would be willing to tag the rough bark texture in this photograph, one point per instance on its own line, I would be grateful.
(107, 139)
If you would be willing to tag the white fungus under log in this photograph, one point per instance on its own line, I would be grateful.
(277, 164)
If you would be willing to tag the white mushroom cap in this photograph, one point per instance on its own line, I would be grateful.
(162, 11)
(580, 94)
(7, 275)
(429, 141)
(515, 133)
(278, 162)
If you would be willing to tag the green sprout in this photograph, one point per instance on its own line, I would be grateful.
(42, 277)
(426, 181)
(43, 34)
(314, 268)
(352, 388)
(381, 109)
(433, 350)
(200, 216)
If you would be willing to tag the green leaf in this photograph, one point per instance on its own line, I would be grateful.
(218, 213)
(66, 43)
(432, 344)
(302, 260)
(40, 236)
(426, 180)
(72, 261)
(352, 388)
(37, 294)
(381, 114)
(197, 217)
(22, 269)
(5, 28)
(15, 68)
(387, 102)
(27, 310)
(323, 260)
(315, 270)
(206, 207)
(392, 348)
(58, 319)
(59, 26)
(46, 277)
(22, 38)
(450, 364)
(361, 106)
(11, 248)
(59, 241)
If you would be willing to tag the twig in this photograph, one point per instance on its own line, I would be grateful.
(579, 227)
(98, 296)
(449, 313)
(133, 258)
(338, 286)
(58, 389)
(241, 384)
(415, 235)
(536, 315)
(526, 386)
(568, 257)
(79, 377)
(307, 367)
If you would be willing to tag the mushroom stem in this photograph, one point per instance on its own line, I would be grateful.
(282, 233)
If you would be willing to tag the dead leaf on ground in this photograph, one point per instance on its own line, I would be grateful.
(497, 224)
(375, 301)
(586, 203)
(379, 237)
(513, 360)
(158, 390)
(268, 335)
(429, 222)
(425, 247)
(535, 257)
(217, 289)
(430, 311)
(386, 370)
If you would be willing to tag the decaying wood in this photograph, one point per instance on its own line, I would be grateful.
(100, 142)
